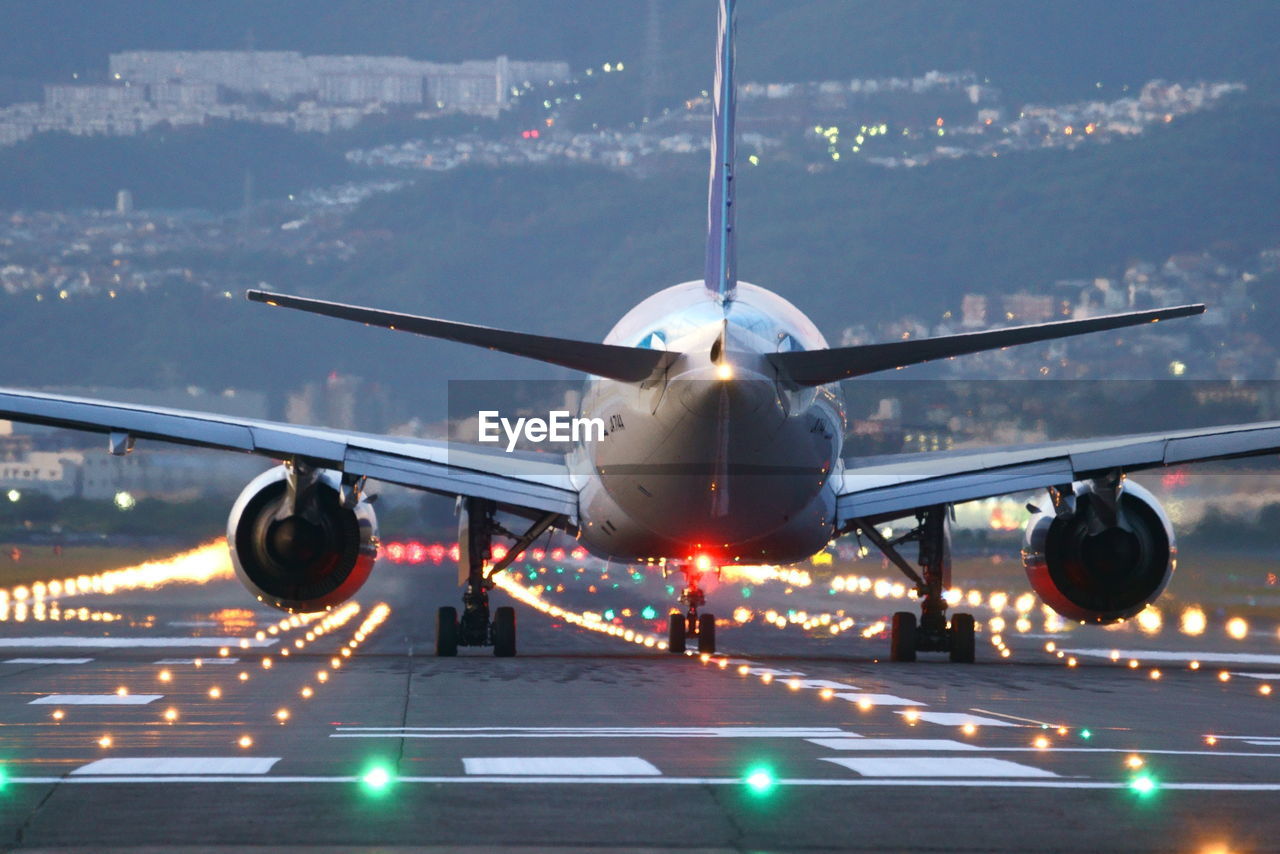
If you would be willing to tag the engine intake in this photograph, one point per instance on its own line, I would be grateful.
(1095, 566)
(307, 560)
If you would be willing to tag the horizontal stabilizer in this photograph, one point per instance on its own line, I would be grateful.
(629, 364)
(815, 367)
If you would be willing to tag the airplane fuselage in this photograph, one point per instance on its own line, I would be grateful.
(714, 457)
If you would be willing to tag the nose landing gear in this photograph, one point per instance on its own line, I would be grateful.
(691, 624)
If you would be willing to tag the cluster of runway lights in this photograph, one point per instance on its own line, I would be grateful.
(324, 623)
(39, 600)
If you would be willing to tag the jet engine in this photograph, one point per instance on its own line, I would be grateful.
(295, 545)
(1101, 554)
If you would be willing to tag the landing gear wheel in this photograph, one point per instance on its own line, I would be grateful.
(902, 637)
(676, 634)
(706, 634)
(447, 631)
(962, 638)
(504, 632)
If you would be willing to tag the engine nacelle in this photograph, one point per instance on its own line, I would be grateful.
(310, 560)
(1095, 566)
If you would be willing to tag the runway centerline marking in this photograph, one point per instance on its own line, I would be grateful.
(891, 744)
(95, 700)
(591, 732)
(49, 661)
(936, 766)
(53, 641)
(957, 719)
(214, 660)
(1166, 655)
(179, 765)
(559, 766)
(818, 782)
(878, 699)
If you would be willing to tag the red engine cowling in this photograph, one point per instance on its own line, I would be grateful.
(1091, 567)
(307, 560)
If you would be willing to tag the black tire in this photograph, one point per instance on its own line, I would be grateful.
(676, 634)
(447, 631)
(962, 647)
(706, 634)
(902, 637)
(504, 632)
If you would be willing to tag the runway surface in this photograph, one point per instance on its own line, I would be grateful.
(184, 718)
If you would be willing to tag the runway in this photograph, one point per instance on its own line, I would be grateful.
(180, 717)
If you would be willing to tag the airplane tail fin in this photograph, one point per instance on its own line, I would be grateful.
(816, 367)
(721, 272)
(628, 364)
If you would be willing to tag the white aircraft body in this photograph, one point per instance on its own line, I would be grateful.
(724, 426)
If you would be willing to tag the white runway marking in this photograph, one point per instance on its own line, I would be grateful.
(1165, 655)
(52, 641)
(818, 782)
(936, 766)
(958, 719)
(95, 700)
(49, 661)
(590, 732)
(560, 766)
(198, 765)
(878, 699)
(891, 744)
(1264, 676)
(214, 660)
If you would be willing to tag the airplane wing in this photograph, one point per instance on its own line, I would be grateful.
(537, 482)
(887, 487)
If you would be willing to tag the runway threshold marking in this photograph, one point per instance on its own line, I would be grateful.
(591, 732)
(560, 766)
(48, 661)
(95, 699)
(936, 766)
(57, 641)
(179, 765)
(892, 744)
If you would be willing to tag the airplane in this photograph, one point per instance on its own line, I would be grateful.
(726, 422)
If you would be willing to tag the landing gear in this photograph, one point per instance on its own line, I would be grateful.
(447, 632)
(902, 637)
(476, 529)
(676, 634)
(701, 626)
(932, 632)
(504, 632)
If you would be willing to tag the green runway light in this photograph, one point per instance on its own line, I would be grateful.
(760, 780)
(609, 615)
(376, 779)
(746, 592)
(1085, 734)
(1144, 785)
(648, 613)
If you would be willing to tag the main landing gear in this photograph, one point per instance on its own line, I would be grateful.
(931, 633)
(691, 624)
(475, 627)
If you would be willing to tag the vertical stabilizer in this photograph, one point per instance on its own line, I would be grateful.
(721, 273)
